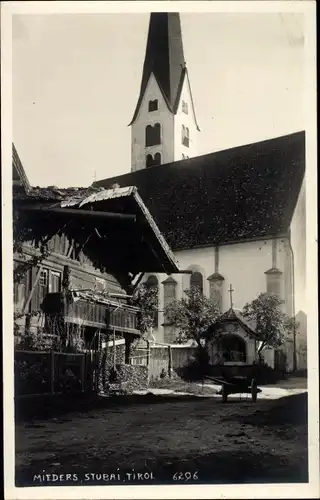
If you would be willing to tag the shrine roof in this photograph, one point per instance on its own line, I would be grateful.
(234, 316)
(243, 193)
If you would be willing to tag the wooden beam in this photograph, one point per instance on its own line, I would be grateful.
(34, 284)
(82, 213)
(120, 295)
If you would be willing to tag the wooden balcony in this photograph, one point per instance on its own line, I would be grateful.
(105, 315)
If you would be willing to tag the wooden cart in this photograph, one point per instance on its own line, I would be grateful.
(236, 385)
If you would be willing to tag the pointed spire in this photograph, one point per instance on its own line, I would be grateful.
(164, 58)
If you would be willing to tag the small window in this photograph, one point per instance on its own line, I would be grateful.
(55, 282)
(42, 288)
(185, 136)
(43, 279)
(153, 105)
(185, 107)
(183, 156)
(153, 135)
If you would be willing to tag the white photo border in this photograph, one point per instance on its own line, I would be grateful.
(294, 490)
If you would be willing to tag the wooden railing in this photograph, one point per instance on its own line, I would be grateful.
(94, 314)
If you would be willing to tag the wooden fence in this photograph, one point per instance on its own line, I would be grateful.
(38, 372)
(162, 359)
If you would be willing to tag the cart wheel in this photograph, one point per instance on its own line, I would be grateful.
(254, 390)
(224, 393)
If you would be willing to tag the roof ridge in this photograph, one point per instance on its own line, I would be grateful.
(196, 202)
(206, 155)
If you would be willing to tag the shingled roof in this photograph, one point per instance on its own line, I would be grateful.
(247, 192)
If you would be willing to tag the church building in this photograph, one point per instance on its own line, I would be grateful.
(234, 218)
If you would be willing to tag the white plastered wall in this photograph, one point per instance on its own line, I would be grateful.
(241, 264)
(188, 120)
(298, 245)
(145, 117)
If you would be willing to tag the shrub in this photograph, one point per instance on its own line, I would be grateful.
(264, 374)
(196, 368)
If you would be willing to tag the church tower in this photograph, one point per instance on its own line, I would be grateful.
(164, 126)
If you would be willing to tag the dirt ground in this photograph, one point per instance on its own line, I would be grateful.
(166, 440)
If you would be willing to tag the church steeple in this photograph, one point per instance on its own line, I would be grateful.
(164, 57)
(159, 133)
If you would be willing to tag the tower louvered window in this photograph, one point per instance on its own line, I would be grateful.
(153, 161)
(149, 161)
(153, 105)
(185, 136)
(153, 135)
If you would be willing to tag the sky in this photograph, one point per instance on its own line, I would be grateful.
(76, 80)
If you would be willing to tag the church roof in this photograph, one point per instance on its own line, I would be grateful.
(164, 58)
(247, 192)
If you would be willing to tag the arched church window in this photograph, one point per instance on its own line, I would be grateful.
(152, 282)
(185, 136)
(153, 135)
(196, 280)
(153, 105)
(169, 291)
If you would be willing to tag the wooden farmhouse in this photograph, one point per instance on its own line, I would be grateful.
(78, 254)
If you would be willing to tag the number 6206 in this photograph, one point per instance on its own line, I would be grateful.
(185, 476)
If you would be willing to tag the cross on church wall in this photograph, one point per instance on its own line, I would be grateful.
(230, 292)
